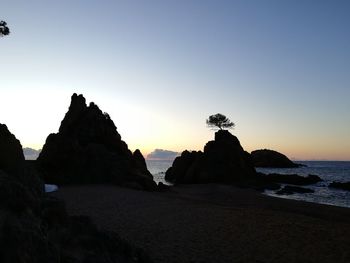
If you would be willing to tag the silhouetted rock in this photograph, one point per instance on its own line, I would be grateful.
(273, 159)
(12, 163)
(11, 155)
(338, 185)
(21, 237)
(222, 161)
(139, 163)
(88, 149)
(291, 179)
(36, 228)
(163, 187)
(288, 190)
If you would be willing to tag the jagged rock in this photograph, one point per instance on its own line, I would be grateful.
(272, 159)
(288, 190)
(88, 149)
(13, 165)
(291, 179)
(338, 185)
(36, 228)
(222, 161)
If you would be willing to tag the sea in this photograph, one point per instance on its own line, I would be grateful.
(329, 171)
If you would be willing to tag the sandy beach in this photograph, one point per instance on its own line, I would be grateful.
(215, 223)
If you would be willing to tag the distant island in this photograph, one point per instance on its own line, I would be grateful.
(272, 159)
(162, 155)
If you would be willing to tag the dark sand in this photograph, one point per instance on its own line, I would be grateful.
(216, 223)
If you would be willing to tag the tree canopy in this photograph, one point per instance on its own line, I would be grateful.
(220, 121)
(4, 30)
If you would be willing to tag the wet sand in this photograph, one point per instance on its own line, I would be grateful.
(215, 223)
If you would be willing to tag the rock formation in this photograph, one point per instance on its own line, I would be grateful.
(20, 202)
(225, 161)
(11, 155)
(222, 161)
(271, 159)
(36, 228)
(12, 163)
(88, 149)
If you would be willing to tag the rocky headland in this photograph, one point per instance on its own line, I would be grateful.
(88, 150)
(271, 159)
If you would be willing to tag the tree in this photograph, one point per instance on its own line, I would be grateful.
(220, 121)
(4, 30)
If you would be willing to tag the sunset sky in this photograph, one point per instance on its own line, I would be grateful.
(279, 69)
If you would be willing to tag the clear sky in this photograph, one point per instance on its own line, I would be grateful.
(279, 69)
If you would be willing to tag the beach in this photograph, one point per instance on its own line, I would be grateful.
(215, 223)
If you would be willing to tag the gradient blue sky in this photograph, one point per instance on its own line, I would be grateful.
(279, 69)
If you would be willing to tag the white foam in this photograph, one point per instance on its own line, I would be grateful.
(50, 188)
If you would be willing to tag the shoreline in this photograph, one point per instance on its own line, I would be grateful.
(215, 223)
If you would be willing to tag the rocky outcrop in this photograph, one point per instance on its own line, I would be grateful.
(88, 149)
(36, 228)
(342, 186)
(20, 205)
(11, 155)
(271, 159)
(225, 161)
(13, 165)
(222, 161)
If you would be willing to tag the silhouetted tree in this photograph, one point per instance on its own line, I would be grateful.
(4, 30)
(220, 121)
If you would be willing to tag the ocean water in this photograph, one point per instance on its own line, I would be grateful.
(329, 171)
(158, 169)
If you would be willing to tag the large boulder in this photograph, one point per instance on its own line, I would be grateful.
(88, 149)
(271, 159)
(222, 161)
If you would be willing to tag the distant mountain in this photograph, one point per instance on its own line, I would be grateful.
(31, 154)
(160, 154)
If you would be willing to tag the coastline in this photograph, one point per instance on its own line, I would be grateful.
(215, 223)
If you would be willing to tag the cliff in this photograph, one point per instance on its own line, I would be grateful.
(88, 149)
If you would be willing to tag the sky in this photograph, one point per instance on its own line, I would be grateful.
(280, 70)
